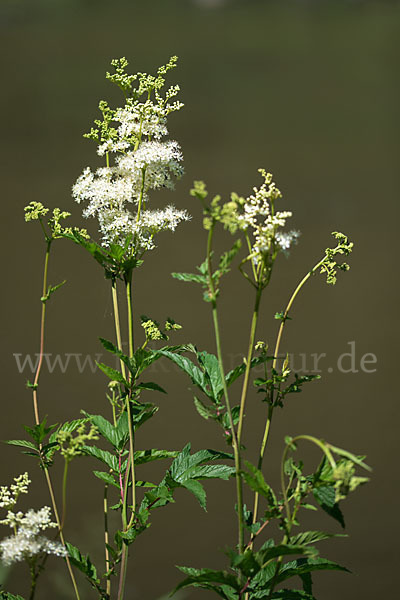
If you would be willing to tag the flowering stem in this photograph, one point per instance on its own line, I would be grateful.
(117, 322)
(248, 361)
(34, 577)
(130, 314)
(42, 323)
(274, 364)
(130, 463)
(235, 444)
(36, 410)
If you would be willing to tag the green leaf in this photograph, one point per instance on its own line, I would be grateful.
(190, 277)
(311, 537)
(106, 457)
(206, 576)
(145, 456)
(150, 385)
(211, 366)
(112, 434)
(291, 595)
(247, 563)
(113, 374)
(22, 443)
(106, 478)
(325, 496)
(8, 596)
(281, 550)
(240, 369)
(39, 432)
(196, 375)
(83, 563)
(307, 565)
(197, 490)
(203, 410)
(227, 257)
(211, 472)
(255, 479)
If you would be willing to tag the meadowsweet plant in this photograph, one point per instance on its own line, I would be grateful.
(139, 159)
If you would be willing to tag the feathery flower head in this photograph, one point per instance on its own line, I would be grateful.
(118, 194)
(258, 214)
(28, 542)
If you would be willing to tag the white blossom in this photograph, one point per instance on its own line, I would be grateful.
(260, 216)
(145, 118)
(9, 495)
(28, 541)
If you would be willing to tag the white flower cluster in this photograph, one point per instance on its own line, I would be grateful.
(28, 541)
(110, 189)
(9, 495)
(143, 162)
(259, 215)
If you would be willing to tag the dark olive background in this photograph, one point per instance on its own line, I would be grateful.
(310, 90)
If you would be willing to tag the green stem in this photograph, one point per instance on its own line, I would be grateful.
(117, 322)
(64, 494)
(248, 362)
(42, 325)
(235, 444)
(36, 408)
(274, 364)
(131, 462)
(130, 314)
(33, 580)
(106, 540)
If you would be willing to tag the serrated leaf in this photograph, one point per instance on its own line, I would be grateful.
(113, 374)
(307, 565)
(206, 576)
(197, 490)
(190, 277)
(247, 563)
(22, 443)
(240, 369)
(106, 478)
(255, 479)
(325, 496)
(106, 457)
(83, 563)
(281, 550)
(145, 456)
(311, 537)
(203, 410)
(112, 434)
(150, 385)
(211, 366)
(196, 375)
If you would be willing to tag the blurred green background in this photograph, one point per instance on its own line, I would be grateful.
(309, 90)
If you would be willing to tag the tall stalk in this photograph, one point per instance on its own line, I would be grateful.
(274, 364)
(36, 409)
(130, 470)
(235, 443)
(250, 350)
